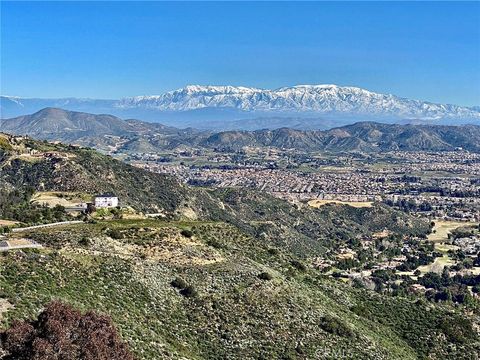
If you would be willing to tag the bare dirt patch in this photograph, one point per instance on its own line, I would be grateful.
(357, 204)
(4, 307)
(7, 222)
(19, 242)
(66, 199)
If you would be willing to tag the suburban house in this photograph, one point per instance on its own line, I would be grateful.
(105, 201)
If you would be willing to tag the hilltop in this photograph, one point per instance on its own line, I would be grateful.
(103, 131)
(57, 167)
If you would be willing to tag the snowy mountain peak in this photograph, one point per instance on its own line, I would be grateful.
(321, 99)
(324, 100)
(212, 89)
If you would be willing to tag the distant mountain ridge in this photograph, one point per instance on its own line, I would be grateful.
(300, 98)
(84, 128)
(210, 106)
(110, 133)
(363, 136)
(54, 122)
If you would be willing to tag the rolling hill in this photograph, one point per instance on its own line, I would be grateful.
(364, 136)
(109, 133)
(102, 131)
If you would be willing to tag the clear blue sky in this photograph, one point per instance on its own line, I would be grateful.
(428, 51)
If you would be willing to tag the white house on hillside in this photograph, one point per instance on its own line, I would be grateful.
(105, 201)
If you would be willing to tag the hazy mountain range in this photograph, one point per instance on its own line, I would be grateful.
(110, 133)
(226, 107)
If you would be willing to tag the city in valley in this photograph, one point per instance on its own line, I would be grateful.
(443, 187)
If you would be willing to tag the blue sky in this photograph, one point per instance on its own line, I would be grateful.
(428, 51)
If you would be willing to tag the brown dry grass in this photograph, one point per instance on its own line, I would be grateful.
(443, 228)
(357, 204)
(19, 242)
(53, 198)
(7, 222)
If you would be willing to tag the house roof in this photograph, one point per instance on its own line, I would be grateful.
(105, 195)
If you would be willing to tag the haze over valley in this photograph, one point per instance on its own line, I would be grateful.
(227, 107)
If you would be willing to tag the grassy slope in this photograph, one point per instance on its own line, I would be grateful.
(235, 314)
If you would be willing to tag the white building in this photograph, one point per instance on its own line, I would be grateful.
(105, 201)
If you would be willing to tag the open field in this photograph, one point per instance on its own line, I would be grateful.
(442, 228)
(438, 265)
(445, 247)
(439, 237)
(357, 204)
(67, 199)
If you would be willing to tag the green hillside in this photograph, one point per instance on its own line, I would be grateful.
(224, 274)
(140, 278)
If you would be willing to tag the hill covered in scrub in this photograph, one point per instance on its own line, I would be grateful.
(226, 273)
(363, 136)
(206, 290)
(306, 231)
(112, 134)
(56, 167)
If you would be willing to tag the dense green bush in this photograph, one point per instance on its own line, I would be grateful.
(335, 326)
(179, 283)
(189, 291)
(265, 276)
(298, 265)
(115, 234)
(187, 233)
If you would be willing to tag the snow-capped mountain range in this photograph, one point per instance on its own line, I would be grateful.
(300, 98)
(195, 104)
